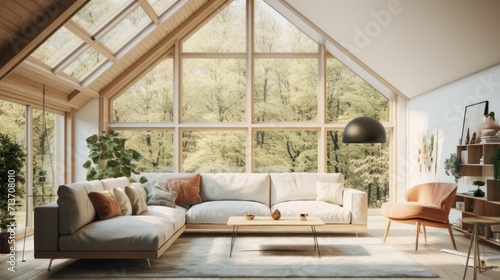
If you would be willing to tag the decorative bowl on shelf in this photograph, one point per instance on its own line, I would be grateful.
(249, 216)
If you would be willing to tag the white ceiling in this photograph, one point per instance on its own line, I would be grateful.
(416, 46)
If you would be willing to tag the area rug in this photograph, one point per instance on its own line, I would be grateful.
(198, 256)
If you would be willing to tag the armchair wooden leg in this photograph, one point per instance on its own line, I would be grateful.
(387, 229)
(451, 235)
(416, 238)
(425, 234)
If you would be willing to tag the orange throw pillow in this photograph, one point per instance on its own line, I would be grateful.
(187, 189)
(105, 204)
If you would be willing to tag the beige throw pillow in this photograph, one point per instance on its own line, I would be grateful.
(329, 192)
(123, 200)
(139, 205)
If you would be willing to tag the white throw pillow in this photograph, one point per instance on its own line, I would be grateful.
(329, 192)
(123, 200)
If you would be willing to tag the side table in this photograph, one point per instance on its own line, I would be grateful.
(474, 240)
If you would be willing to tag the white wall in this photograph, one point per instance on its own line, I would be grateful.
(443, 108)
(86, 124)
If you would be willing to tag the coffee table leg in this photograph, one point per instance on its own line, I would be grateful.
(315, 237)
(233, 239)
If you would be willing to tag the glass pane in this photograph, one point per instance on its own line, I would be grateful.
(150, 99)
(157, 148)
(286, 90)
(349, 96)
(57, 47)
(85, 62)
(274, 33)
(98, 12)
(365, 166)
(213, 151)
(224, 33)
(13, 124)
(44, 188)
(161, 5)
(285, 151)
(214, 90)
(126, 29)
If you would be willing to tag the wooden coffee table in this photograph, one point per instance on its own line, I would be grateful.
(263, 221)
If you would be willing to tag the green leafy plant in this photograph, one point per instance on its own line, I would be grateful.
(478, 192)
(478, 183)
(452, 167)
(496, 164)
(109, 158)
(12, 158)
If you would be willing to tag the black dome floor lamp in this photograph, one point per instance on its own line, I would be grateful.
(364, 130)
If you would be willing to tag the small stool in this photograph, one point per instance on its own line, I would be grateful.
(474, 239)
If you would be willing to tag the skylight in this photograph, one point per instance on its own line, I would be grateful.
(96, 34)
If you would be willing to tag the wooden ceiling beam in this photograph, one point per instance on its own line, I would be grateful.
(36, 33)
(23, 86)
(127, 77)
(29, 65)
(24, 99)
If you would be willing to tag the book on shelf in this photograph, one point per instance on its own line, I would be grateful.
(490, 139)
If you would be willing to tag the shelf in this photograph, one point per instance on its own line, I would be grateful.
(482, 237)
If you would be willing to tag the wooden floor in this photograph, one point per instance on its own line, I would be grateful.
(447, 266)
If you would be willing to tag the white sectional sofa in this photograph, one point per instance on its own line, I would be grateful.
(70, 229)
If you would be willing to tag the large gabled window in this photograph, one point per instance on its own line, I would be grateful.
(277, 105)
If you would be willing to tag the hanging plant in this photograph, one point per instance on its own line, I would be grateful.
(452, 167)
(109, 158)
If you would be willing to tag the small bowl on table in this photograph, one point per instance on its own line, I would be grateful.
(249, 216)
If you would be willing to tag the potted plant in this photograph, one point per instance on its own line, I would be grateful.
(452, 166)
(109, 158)
(12, 158)
(478, 192)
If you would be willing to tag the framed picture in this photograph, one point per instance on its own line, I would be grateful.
(473, 118)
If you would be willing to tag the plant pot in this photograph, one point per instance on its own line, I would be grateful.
(4, 243)
(479, 193)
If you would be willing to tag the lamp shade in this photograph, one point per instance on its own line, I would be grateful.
(364, 130)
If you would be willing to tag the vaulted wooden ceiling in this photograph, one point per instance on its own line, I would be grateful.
(24, 25)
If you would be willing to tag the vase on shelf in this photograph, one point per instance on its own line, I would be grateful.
(478, 192)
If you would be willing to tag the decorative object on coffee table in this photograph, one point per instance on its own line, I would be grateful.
(478, 192)
(303, 217)
(250, 216)
(276, 215)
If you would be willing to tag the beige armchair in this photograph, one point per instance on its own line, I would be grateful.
(426, 204)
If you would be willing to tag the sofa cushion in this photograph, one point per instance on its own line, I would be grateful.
(218, 212)
(141, 189)
(187, 189)
(157, 178)
(235, 186)
(139, 205)
(175, 216)
(299, 186)
(120, 234)
(75, 208)
(105, 204)
(162, 197)
(111, 183)
(328, 212)
(123, 201)
(329, 192)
